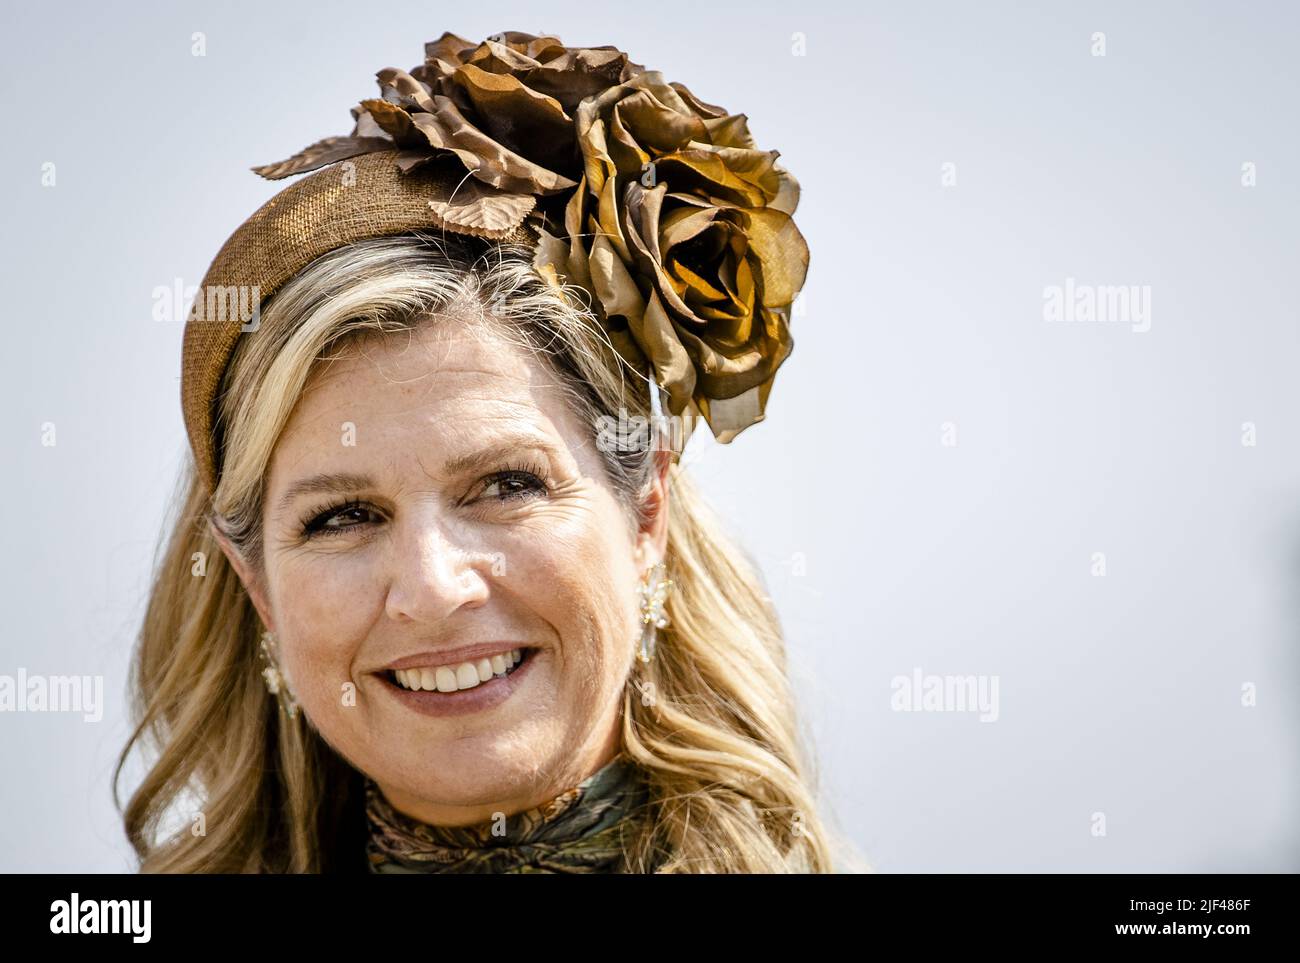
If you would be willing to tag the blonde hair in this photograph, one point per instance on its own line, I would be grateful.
(731, 782)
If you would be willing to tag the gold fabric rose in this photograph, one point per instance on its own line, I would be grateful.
(500, 110)
(683, 230)
(659, 205)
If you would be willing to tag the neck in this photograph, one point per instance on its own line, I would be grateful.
(583, 828)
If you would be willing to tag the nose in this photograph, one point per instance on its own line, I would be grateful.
(433, 573)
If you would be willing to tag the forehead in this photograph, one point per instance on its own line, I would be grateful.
(437, 358)
(450, 381)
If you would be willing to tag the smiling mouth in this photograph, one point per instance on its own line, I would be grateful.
(458, 677)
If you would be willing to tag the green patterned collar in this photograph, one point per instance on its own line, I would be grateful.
(582, 830)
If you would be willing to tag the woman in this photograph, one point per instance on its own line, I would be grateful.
(435, 601)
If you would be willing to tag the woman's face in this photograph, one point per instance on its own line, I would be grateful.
(434, 501)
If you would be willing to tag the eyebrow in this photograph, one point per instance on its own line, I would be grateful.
(335, 482)
(323, 484)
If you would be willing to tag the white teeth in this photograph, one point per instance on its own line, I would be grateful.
(463, 675)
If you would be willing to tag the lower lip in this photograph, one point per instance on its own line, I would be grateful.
(481, 698)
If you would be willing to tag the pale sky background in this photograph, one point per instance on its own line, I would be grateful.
(887, 550)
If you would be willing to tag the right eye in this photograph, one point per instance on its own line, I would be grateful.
(339, 518)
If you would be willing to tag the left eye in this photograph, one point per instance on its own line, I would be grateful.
(514, 484)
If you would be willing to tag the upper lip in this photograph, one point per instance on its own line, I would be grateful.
(466, 653)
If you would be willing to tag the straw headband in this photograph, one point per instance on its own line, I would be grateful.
(658, 205)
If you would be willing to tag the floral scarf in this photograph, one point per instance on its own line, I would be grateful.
(582, 830)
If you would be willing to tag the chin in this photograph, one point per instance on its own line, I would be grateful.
(470, 771)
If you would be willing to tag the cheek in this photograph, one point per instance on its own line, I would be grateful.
(324, 610)
(580, 578)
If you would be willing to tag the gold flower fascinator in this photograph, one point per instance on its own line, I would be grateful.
(659, 206)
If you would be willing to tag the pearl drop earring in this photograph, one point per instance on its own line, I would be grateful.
(654, 589)
(276, 684)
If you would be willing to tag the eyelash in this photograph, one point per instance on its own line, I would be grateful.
(314, 522)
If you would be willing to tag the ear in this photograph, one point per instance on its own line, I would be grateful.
(652, 538)
(252, 584)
